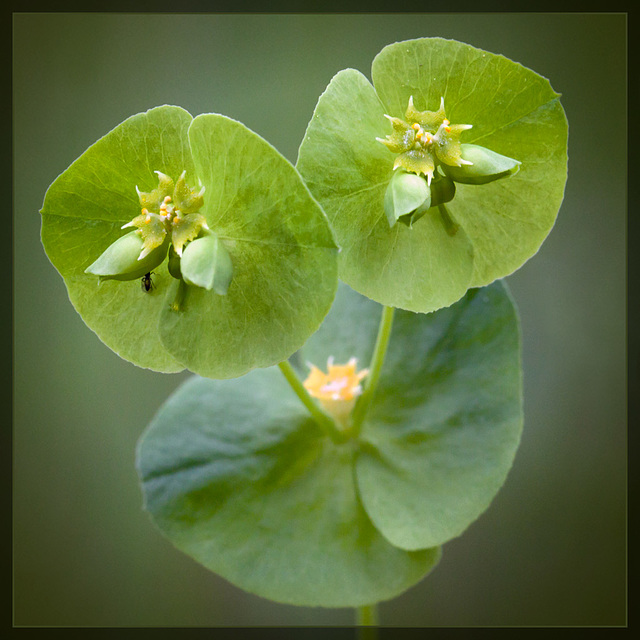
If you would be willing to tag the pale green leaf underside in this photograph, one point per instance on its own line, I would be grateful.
(280, 243)
(513, 111)
(446, 420)
(236, 475)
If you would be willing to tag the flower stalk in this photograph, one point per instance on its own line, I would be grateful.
(377, 360)
(325, 422)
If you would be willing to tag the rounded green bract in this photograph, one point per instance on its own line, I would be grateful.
(121, 260)
(259, 268)
(236, 475)
(424, 113)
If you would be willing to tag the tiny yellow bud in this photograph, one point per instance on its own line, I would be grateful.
(341, 382)
(337, 389)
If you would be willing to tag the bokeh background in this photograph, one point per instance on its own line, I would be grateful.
(551, 550)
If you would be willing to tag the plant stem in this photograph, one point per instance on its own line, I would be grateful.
(367, 622)
(323, 420)
(377, 360)
(176, 305)
(450, 226)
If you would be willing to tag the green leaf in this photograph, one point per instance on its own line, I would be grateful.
(237, 475)
(82, 214)
(514, 112)
(445, 423)
(420, 268)
(281, 249)
(274, 239)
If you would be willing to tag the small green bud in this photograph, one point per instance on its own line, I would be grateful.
(206, 263)
(442, 190)
(406, 193)
(486, 166)
(121, 260)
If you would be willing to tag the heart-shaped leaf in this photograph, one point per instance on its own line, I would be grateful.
(237, 475)
(445, 422)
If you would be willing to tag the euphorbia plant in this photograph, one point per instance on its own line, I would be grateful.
(363, 426)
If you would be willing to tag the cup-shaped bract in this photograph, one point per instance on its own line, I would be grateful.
(121, 260)
(405, 194)
(260, 259)
(429, 99)
(206, 263)
(237, 475)
(484, 166)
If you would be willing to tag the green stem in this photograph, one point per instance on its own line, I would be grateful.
(377, 360)
(367, 622)
(176, 305)
(367, 616)
(450, 226)
(323, 420)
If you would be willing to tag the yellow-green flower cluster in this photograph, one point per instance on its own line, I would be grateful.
(338, 389)
(169, 210)
(425, 139)
(169, 223)
(431, 159)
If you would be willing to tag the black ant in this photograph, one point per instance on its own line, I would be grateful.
(146, 282)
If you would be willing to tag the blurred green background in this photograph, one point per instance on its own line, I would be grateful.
(551, 550)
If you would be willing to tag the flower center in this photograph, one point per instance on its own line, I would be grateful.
(338, 389)
(423, 140)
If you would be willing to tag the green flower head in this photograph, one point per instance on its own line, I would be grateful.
(424, 139)
(168, 217)
(169, 209)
